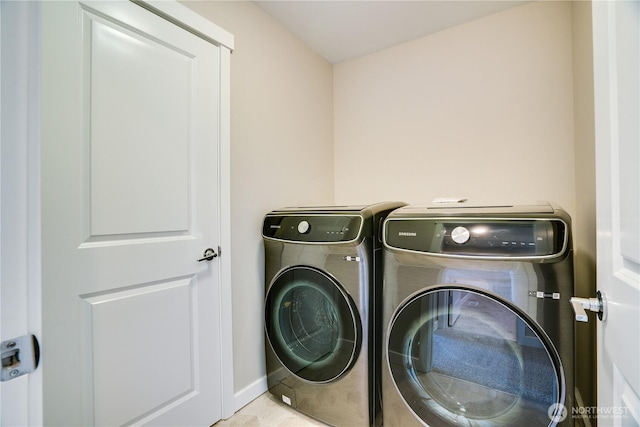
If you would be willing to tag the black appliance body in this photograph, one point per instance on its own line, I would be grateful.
(479, 329)
(322, 304)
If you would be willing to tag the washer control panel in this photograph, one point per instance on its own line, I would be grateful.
(477, 237)
(312, 228)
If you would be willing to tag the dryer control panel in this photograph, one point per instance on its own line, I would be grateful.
(312, 228)
(478, 238)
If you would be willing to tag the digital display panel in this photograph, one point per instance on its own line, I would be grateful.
(503, 238)
(312, 228)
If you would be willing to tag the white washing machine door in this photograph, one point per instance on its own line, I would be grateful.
(311, 324)
(492, 366)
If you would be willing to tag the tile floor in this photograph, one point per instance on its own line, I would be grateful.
(266, 410)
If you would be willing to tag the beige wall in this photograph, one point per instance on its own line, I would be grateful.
(487, 110)
(281, 115)
(483, 110)
(498, 109)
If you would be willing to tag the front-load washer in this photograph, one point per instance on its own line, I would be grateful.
(323, 283)
(479, 327)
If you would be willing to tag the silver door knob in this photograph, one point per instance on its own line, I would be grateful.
(597, 305)
(208, 255)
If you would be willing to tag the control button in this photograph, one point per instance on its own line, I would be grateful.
(303, 227)
(460, 235)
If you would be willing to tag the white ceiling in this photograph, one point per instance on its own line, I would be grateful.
(343, 30)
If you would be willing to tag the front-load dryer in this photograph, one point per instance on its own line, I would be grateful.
(478, 325)
(322, 300)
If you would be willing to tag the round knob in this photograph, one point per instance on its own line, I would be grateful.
(460, 235)
(303, 227)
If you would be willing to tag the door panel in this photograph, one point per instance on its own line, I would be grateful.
(139, 95)
(130, 202)
(129, 329)
(616, 27)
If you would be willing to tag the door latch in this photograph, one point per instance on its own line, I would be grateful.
(20, 356)
(597, 305)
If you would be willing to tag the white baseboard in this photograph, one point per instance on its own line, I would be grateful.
(250, 392)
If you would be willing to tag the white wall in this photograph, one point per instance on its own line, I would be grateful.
(281, 155)
(482, 110)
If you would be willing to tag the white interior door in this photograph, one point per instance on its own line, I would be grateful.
(130, 119)
(617, 95)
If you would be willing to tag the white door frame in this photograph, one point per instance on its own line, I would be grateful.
(21, 398)
(615, 32)
(20, 254)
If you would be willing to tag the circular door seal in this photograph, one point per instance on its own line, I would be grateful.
(478, 362)
(312, 324)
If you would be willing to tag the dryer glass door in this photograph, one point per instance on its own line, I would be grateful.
(311, 324)
(491, 366)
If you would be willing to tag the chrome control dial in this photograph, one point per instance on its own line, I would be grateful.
(303, 227)
(460, 235)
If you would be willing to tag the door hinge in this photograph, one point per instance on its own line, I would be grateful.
(20, 356)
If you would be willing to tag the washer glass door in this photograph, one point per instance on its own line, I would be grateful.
(311, 324)
(489, 365)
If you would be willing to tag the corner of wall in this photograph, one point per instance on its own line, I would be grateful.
(585, 216)
(250, 392)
